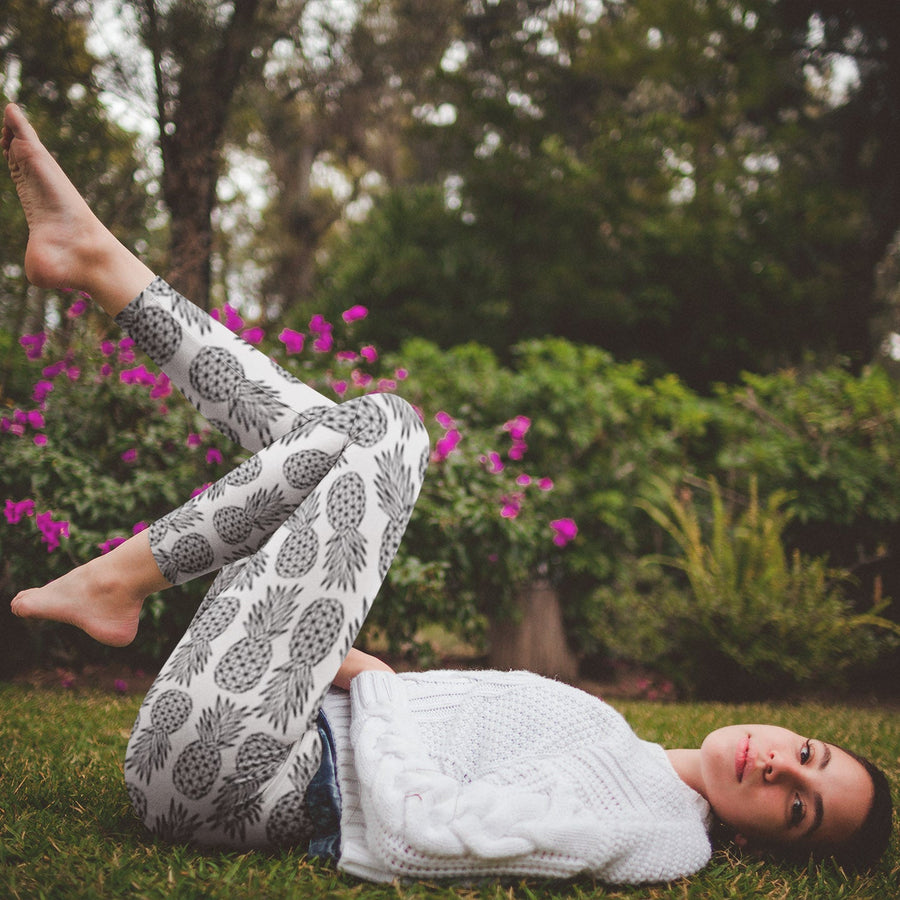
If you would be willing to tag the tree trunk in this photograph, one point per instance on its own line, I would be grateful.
(198, 61)
(535, 639)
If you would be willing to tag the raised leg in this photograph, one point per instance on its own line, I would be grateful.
(226, 743)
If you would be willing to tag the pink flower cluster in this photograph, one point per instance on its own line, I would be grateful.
(511, 501)
(51, 530)
(24, 421)
(120, 356)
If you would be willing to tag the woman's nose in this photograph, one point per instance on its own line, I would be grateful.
(778, 765)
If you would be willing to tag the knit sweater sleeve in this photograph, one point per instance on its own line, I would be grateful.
(423, 822)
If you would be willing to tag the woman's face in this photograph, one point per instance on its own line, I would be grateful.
(774, 786)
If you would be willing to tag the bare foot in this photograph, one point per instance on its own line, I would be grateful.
(61, 227)
(88, 599)
(68, 247)
(103, 597)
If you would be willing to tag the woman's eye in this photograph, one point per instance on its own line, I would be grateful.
(797, 811)
(805, 753)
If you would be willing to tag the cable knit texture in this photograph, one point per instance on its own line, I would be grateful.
(462, 775)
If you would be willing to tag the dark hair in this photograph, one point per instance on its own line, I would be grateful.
(865, 847)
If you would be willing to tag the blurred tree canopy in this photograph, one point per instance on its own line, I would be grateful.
(703, 184)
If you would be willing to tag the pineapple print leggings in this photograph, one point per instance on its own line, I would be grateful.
(302, 533)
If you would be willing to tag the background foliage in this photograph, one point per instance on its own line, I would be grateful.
(615, 247)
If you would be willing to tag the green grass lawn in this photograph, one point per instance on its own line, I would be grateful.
(66, 828)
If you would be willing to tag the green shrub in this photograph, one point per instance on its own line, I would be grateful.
(750, 619)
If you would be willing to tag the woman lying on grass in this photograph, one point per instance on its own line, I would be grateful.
(265, 728)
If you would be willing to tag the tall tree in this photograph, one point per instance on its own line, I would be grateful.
(200, 51)
(654, 176)
(337, 95)
(865, 128)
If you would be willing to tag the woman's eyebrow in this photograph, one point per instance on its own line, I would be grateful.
(820, 810)
(826, 756)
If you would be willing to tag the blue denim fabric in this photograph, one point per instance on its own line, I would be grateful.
(323, 799)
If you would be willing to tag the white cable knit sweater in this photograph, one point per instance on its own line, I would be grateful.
(469, 774)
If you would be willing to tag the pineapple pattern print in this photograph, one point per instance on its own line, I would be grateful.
(150, 747)
(245, 662)
(192, 655)
(199, 763)
(302, 533)
(396, 490)
(263, 511)
(346, 549)
(289, 823)
(239, 801)
(285, 694)
(300, 550)
(360, 419)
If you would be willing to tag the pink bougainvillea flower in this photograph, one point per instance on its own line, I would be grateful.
(445, 420)
(138, 527)
(523, 480)
(511, 506)
(33, 344)
(120, 686)
(126, 343)
(16, 511)
(51, 531)
(130, 456)
(41, 389)
(35, 419)
(193, 440)
(493, 463)
(77, 308)
(360, 379)
(346, 356)
(319, 325)
(339, 387)
(54, 369)
(199, 490)
(517, 451)
(517, 427)
(368, 353)
(162, 388)
(106, 370)
(229, 317)
(564, 530)
(546, 484)
(354, 314)
(253, 335)
(40, 440)
(213, 456)
(387, 384)
(73, 373)
(401, 374)
(323, 342)
(138, 375)
(446, 445)
(107, 348)
(292, 340)
(111, 544)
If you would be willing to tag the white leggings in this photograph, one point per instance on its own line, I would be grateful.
(303, 533)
